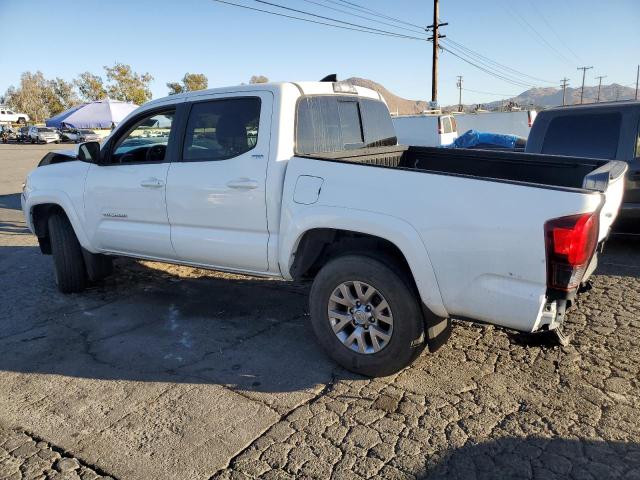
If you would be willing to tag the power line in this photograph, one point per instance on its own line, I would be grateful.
(497, 64)
(308, 20)
(523, 21)
(553, 30)
(508, 95)
(346, 12)
(335, 20)
(479, 63)
(379, 14)
(490, 72)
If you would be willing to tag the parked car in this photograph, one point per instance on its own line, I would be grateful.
(7, 133)
(22, 136)
(603, 130)
(78, 135)
(306, 181)
(43, 135)
(509, 123)
(426, 130)
(8, 115)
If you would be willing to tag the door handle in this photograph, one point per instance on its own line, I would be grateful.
(242, 184)
(152, 183)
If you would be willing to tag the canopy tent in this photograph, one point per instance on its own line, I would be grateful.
(98, 114)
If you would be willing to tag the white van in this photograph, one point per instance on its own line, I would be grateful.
(510, 123)
(426, 130)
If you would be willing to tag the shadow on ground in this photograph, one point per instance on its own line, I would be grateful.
(540, 458)
(11, 201)
(143, 324)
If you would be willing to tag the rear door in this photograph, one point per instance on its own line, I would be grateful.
(216, 190)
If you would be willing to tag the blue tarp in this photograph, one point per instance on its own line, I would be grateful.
(99, 114)
(475, 139)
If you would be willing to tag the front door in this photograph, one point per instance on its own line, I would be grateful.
(125, 194)
(216, 191)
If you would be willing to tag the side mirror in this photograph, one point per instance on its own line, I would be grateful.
(89, 152)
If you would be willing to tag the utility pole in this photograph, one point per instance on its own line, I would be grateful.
(459, 85)
(564, 89)
(600, 77)
(435, 37)
(637, 78)
(584, 71)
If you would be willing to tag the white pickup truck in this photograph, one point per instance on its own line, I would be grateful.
(306, 181)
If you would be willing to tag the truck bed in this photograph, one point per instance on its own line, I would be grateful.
(538, 170)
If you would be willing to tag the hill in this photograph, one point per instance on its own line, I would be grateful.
(396, 104)
(538, 97)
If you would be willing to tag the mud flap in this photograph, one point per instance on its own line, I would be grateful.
(438, 329)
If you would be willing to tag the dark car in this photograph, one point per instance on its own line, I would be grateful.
(602, 130)
(22, 136)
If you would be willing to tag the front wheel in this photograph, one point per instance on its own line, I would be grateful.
(69, 267)
(365, 315)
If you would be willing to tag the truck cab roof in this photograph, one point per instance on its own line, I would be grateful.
(304, 88)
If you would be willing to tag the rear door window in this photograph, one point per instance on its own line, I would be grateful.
(221, 129)
(594, 136)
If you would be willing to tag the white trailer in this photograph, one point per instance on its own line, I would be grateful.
(512, 123)
(427, 130)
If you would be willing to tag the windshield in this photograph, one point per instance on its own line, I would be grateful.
(86, 131)
(49, 130)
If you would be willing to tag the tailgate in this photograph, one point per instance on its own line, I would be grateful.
(608, 179)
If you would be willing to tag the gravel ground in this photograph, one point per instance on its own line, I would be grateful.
(488, 402)
(174, 372)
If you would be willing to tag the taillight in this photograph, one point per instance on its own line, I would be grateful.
(570, 243)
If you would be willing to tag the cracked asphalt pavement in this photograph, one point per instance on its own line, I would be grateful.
(180, 373)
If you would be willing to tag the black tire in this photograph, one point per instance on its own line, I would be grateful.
(70, 272)
(407, 339)
(22, 121)
(98, 266)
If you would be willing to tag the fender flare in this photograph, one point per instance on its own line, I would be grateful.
(393, 229)
(61, 199)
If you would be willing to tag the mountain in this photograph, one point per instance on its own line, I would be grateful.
(551, 97)
(396, 104)
(539, 98)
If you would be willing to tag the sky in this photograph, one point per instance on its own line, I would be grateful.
(543, 39)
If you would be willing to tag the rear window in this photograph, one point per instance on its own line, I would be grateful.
(594, 136)
(333, 123)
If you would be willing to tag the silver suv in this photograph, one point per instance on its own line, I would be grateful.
(43, 135)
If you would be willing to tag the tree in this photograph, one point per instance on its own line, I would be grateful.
(31, 97)
(60, 95)
(190, 82)
(127, 85)
(175, 87)
(91, 87)
(258, 79)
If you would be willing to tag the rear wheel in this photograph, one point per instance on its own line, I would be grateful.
(365, 315)
(22, 120)
(69, 266)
